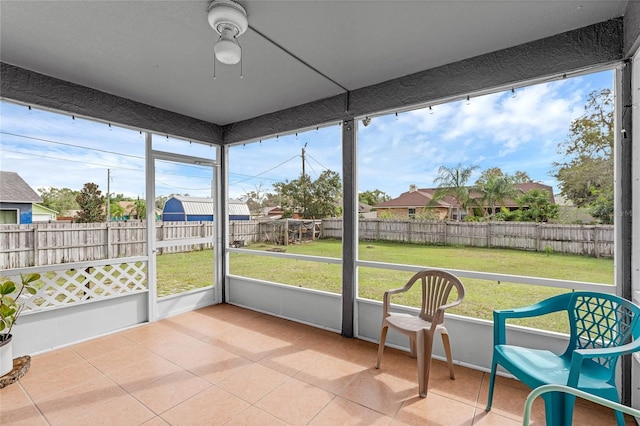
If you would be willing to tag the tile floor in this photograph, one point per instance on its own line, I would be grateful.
(232, 366)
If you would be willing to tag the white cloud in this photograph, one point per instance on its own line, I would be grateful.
(520, 133)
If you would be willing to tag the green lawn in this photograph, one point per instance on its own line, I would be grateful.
(482, 297)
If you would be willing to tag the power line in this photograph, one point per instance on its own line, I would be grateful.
(124, 155)
(321, 165)
(67, 159)
(266, 171)
(250, 177)
(180, 187)
(71, 145)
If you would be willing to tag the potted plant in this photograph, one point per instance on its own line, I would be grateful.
(9, 311)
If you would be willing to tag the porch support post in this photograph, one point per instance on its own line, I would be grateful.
(624, 228)
(150, 189)
(349, 226)
(222, 257)
(628, 229)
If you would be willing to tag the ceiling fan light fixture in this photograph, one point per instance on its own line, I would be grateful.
(228, 19)
(227, 49)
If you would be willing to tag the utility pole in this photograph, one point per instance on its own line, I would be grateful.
(304, 189)
(305, 145)
(108, 195)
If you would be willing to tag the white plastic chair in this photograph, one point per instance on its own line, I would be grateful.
(422, 328)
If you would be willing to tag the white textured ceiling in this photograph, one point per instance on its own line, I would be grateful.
(161, 52)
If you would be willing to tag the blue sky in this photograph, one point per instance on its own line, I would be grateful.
(497, 130)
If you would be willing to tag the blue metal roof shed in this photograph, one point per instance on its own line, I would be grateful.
(196, 209)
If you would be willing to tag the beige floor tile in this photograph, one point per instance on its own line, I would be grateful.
(253, 416)
(121, 357)
(121, 411)
(136, 376)
(586, 416)
(361, 353)
(253, 382)
(290, 360)
(322, 341)
(17, 409)
(279, 328)
(211, 363)
(102, 345)
(42, 385)
(465, 388)
(330, 373)
(213, 406)
(190, 354)
(156, 421)
(208, 366)
(508, 399)
(343, 412)
(295, 402)
(378, 391)
(491, 418)
(54, 360)
(75, 401)
(436, 410)
(158, 339)
(169, 391)
(399, 363)
(250, 345)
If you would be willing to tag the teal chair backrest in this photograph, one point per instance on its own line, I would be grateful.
(600, 320)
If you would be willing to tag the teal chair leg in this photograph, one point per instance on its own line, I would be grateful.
(492, 380)
(569, 404)
(554, 404)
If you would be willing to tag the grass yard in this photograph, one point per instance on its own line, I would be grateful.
(482, 297)
(180, 272)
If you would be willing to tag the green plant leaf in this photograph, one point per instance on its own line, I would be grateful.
(29, 278)
(8, 287)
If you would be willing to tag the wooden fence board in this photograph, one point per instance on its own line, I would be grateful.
(53, 243)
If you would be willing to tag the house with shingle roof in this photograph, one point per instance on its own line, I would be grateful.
(415, 203)
(419, 202)
(16, 199)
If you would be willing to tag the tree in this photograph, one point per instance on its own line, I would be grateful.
(255, 199)
(310, 199)
(116, 211)
(60, 200)
(139, 209)
(496, 187)
(587, 172)
(91, 202)
(602, 207)
(374, 197)
(534, 206)
(521, 177)
(518, 177)
(453, 181)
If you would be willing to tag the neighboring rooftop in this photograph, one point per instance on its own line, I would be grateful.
(13, 189)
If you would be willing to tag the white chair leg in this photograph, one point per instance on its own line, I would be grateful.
(447, 351)
(419, 344)
(383, 337)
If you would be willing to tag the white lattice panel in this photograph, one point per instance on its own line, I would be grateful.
(87, 283)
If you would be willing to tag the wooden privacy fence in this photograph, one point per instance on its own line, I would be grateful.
(588, 240)
(54, 243)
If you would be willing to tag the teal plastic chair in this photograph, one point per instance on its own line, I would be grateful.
(603, 327)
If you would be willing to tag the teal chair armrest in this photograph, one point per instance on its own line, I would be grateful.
(554, 304)
(607, 352)
(581, 354)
